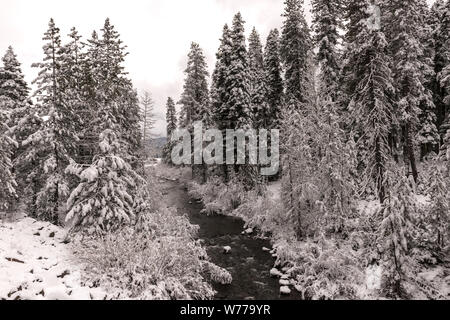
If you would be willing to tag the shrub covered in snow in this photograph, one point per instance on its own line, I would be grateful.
(163, 262)
(218, 197)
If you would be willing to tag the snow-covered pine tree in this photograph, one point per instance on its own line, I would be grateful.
(195, 97)
(440, 15)
(148, 119)
(398, 208)
(368, 66)
(171, 120)
(121, 91)
(50, 145)
(13, 104)
(258, 87)
(8, 195)
(72, 86)
(239, 102)
(105, 199)
(195, 100)
(295, 51)
(219, 92)
(428, 135)
(403, 25)
(237, 81)
(437, 222)
(326, 26)
(355, 14)
(274, 80)
(12, 83)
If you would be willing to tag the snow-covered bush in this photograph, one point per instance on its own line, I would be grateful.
(218, 197)
(103, 200)
(161, 261)
(265, 214)
(321, 269)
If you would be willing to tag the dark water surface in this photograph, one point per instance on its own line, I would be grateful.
(248, 263)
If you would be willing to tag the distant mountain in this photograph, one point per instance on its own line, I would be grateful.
(156, 147)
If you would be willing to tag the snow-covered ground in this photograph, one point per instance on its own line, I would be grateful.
(36, 264)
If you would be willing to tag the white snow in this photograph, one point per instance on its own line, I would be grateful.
(227, 249)
(373, 277)
(35, 264)
(274, 190)
(284, 282)
(285, 290)
(275, 273)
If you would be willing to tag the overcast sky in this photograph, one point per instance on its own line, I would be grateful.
(158, 33)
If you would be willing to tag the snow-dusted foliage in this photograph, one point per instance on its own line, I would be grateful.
(436, 222)
(397, 211)
(295, 50)
(148, 120)
(258, 87)
(326, 25)
(217, 196)
(13, 101)
(155, 260)
(103, 201)
(370, 105)
(171, 119)
(52, 145)
(404, 29)
(195, 99)
(8, 184)
(273, 79)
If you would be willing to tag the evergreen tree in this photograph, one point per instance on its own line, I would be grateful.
(105, 198)
(326, 25)
(171, 119)
(195, 99)
(118, 89)
(13, 105)
(274, 80)
(12, 83)
(428, 135)
(440, 12)
(72, 86)
(219, 92)
(437, 221)
(8, 195)
(397, 211)
(239, 102)
(90, 61)
(368, 65)
(405, 31)
(258, 87)
(148, 118)
(295, 51)
(237, 81)
(55, 137)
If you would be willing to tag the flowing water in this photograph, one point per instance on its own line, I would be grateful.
(247, 262)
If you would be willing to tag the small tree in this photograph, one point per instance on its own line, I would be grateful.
(397, 210)
(148, 119)
(171, 119)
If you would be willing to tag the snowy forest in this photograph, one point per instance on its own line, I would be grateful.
(359, 209)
